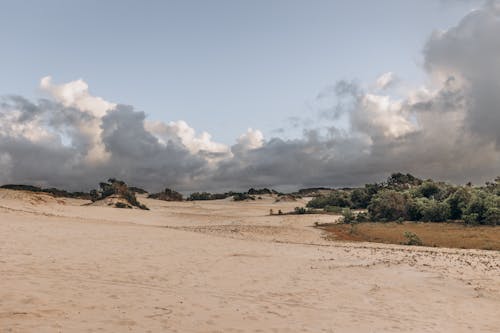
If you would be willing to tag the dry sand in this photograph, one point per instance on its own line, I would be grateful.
(222, 266)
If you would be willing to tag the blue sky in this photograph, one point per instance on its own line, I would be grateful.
(222, 66)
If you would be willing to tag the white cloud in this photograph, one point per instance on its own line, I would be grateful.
(251, 139)
(76, 94)
(381, 114)
(180, 130)
(385, 80)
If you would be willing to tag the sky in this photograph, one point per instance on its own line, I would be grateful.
(213, 95)
(221, 66)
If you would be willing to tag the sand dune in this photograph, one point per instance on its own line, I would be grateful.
(223, 266)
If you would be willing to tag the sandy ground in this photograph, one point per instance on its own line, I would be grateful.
(222, 266)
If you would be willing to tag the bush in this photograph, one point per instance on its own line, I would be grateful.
(348, 216)
(388, 205)
(333, 209)
(336, 198)
(300, 210)
(492, 216)
(471, 218)
(242, 197)
(360, 198)
(494, 187)
(362, 217)
(414, 209)
(167, 195)
(200, 196)
(261, 191)
(412, 239)
(122, 205)
(402, 181)
(483, 208)
(435, 211)
(458, 202)
(116, 187)
(428, 189)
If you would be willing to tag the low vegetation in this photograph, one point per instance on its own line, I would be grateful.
(243, 197)
(237, 196)
(166, 195)
(119, 189)
(404, 197)
(52, 191)
(261, 191)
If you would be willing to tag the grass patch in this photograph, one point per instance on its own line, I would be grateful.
(452, 235)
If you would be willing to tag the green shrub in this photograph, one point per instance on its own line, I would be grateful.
(402, 181)
(242, 197)
(348, 216)
(360, 198)
(362, 217)
(412, 239)
(200, 196)
(435, 211)
(333, 209)
(166, 195)
(429, 189)
(483, 208)
(336, 198)
(458, 202)
(414, 209)
(494, 186)
(388, 205)
(492, 216)
(471, 218)
(300, 210)
(116, 187)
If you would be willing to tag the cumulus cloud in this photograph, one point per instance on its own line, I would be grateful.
(445, 129)
(76, 95)
(386, 80)
(250, 140)
(180, 130)
(470, 53)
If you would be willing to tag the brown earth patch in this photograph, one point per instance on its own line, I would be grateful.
(451, 235)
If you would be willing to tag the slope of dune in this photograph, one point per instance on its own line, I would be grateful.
(224, 266)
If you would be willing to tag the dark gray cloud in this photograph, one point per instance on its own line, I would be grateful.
(471, 52)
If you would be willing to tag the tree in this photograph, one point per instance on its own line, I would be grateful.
(388, 205)
(483, 208)
(435, 211)
(360, 198)
(414, 209)
(336, 198)
(428, 189)
(116, 187)
(400, 180)
(167, 195)
(458, 202)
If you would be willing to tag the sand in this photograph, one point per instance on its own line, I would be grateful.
(223, 266)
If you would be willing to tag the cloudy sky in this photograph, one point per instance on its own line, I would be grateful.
(217, 95)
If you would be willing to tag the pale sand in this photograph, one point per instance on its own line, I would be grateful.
(221, 266)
